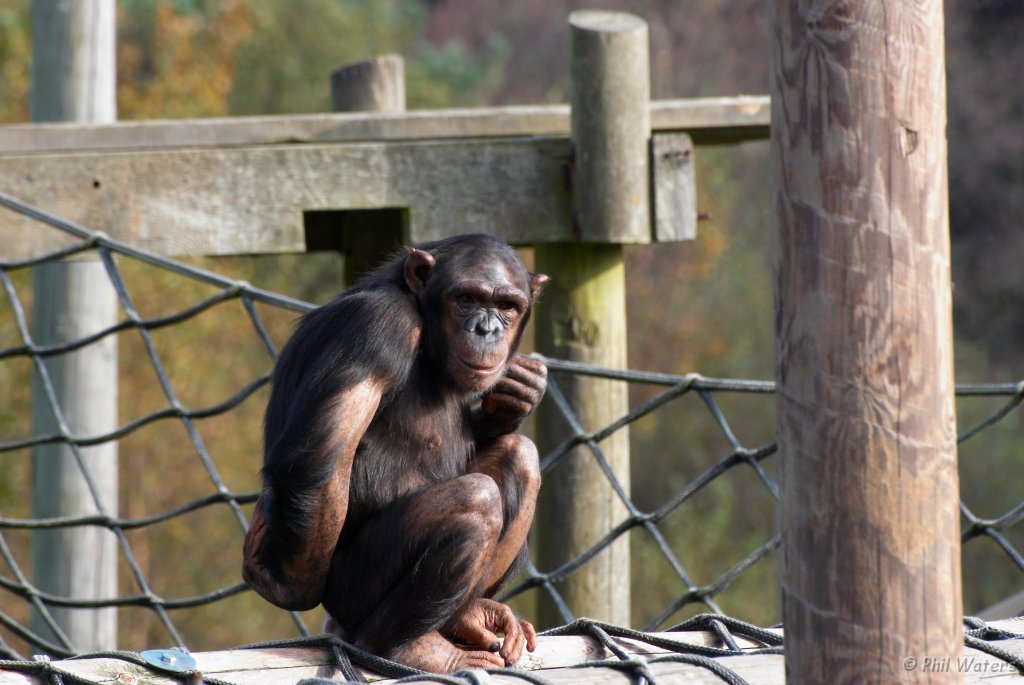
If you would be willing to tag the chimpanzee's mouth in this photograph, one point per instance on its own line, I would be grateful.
(482, 369)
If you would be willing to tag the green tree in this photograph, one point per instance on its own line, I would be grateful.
(285, 66)
(15, 61)
(177, 59)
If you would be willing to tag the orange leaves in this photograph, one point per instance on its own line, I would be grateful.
(173, 64)
(15, 61)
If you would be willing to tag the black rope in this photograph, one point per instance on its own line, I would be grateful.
(1002, 529)
(978, 635)
(684, 652)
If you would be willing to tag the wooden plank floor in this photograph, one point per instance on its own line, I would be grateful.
(556, 659)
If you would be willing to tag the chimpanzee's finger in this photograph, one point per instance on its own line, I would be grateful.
(504, 620)
(518, 389)
(498, 402)
(512, 647)
(530, 633)
(481, 636)
(529, 362)
(526, 370)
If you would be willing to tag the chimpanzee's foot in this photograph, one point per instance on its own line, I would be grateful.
(435, 654)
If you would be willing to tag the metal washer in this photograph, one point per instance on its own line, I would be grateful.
(172, 660)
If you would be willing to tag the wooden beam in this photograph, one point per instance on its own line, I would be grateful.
(251, 200)
(707, 120)
(866, 420)
(553, 661)
(291, 664)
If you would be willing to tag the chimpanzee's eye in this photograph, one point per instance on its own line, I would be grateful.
(465, 300)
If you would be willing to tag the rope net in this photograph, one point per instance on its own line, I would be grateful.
(208, 362)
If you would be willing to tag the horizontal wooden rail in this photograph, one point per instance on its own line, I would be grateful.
(707, 120)
(244, 185)
(554, 660)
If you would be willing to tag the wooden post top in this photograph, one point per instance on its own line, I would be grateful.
(606, 21)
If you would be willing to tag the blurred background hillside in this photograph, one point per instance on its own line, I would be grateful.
(702, 306)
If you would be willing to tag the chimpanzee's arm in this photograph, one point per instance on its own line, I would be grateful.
(300, 567)
(511, 400)
(327, 385)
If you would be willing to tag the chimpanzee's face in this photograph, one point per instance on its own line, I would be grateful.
(474, 299)
(482, 314)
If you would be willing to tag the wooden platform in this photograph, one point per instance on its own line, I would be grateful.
(557, 660)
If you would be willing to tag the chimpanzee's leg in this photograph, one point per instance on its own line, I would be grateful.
(412, 567)
(511, 460)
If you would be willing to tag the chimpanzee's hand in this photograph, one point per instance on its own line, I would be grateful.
(483, 619)
(512, 398)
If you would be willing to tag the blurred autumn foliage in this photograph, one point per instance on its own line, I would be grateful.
(700, 306)
(173, 64)
(15, 62)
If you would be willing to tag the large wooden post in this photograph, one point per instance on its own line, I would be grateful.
(870, 526)
(73, 79)
(582, 314)
(375, 85)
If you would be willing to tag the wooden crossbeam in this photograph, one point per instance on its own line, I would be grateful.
(707, 120)
(243, 185)
(251, 200)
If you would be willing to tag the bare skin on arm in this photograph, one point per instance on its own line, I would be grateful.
(387, 497)
(303, 575)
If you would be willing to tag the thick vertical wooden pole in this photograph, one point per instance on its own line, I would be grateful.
(582, 317)
(870, 526)
(582, 314)
(376, 85)
(611, 125)
(73, 79)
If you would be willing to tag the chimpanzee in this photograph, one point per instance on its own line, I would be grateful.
(396, 491)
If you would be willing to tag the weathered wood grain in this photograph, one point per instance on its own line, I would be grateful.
(707, 120)
(582, 317)
(866, 424)
(673, 187)
(277, 665)
(251, 200)
(554, 660)
(611, 125)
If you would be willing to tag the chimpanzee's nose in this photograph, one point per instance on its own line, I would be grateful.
(485, 325)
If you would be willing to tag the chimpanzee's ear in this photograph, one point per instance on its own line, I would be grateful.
(537, 283)
(418, 266)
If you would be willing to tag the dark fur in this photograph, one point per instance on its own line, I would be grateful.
(367, 331)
